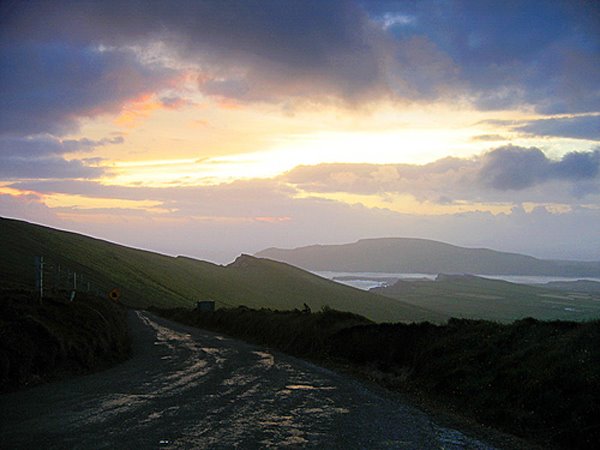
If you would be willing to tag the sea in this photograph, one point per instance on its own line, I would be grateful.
(370, 280)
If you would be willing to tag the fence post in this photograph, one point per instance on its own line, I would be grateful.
(39, 276)
(57, 278)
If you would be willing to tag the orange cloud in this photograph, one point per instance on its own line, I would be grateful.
(228, 103)
(138, 109)
(143, 106)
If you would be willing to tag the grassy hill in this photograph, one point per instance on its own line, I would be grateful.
(147, 278)
(471, 297)
(403, 255)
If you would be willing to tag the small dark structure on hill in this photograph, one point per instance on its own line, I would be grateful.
(205, 305)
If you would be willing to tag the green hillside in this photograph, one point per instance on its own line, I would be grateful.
(147, 278)
(471, 297)
(403, 255)
(579, 286)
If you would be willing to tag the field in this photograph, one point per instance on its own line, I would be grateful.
(473, 297)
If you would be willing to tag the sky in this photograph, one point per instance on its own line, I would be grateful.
(210, 128)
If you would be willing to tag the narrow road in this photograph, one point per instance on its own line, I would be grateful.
(188, 388)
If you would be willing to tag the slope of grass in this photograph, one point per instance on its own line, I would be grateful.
(537, 380)
(39, 342)
(147, 278)
(480, 298)
(263, 275)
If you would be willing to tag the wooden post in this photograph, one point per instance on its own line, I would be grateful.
(57, 278)
(39, 276)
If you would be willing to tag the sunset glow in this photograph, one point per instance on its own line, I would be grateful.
(439, 120)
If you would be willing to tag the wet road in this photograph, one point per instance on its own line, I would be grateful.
(187, 388)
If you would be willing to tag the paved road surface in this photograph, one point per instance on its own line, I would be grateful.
(187, 388)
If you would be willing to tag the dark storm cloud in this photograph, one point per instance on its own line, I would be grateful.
(579, 127)
(585, 127)
(45, 168)
(505, 174)
(43, 145)
(513, 168)
(253, 50)
(42, 156)
(47, 87)
(516, 168)
(538, 52)
(577, 165)
(63, 60)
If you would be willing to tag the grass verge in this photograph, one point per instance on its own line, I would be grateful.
(57, 338)
(537, 380)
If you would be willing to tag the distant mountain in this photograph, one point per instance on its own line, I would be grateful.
(147, 278)
(404, 255)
